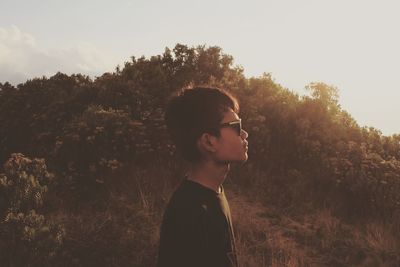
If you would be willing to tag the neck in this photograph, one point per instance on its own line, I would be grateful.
(209, 174)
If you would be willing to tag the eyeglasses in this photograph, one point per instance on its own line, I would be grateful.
(236, 125)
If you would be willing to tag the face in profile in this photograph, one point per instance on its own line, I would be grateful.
(232, 145)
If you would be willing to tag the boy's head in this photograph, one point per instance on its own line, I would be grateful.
(194, 117)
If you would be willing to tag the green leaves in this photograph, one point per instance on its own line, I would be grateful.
(24, 182)
(27, 238)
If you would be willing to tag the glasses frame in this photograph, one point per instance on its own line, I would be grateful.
(232, 125)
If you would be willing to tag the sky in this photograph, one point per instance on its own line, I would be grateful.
(352, 45)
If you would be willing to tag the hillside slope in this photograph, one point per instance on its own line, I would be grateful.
(266, 237)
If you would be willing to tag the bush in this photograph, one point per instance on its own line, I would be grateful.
(27, 238)
(24, 183)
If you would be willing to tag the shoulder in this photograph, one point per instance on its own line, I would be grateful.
(187, 202)
(182, 209)
(186, 196)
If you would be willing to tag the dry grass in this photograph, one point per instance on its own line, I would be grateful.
(259, 242)
(380, 238)
(269, 238)
(127, 231)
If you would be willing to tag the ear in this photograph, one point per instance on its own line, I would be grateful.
(207, 142)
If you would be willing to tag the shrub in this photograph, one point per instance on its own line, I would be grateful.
(27, 238)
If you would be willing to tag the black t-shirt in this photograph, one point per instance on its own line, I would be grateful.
(197, 229)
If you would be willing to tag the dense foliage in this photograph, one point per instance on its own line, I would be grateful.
(27, 238)
(94, 134)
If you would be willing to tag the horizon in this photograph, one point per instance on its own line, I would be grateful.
(352, 46)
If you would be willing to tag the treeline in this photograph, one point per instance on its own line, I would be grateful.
(93, 134)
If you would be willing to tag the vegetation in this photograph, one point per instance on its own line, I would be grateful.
(88, 169)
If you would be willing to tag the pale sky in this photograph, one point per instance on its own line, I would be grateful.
(353, 45)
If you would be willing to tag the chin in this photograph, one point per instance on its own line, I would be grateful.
(243, 159)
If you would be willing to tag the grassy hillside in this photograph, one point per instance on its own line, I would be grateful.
(96, 168)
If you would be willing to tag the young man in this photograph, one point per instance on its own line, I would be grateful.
(197, 228)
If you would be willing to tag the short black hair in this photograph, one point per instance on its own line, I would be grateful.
(193, 111)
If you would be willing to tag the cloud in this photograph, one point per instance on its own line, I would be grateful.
(22, 58)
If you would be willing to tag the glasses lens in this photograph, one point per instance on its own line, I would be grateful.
(238, 127)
